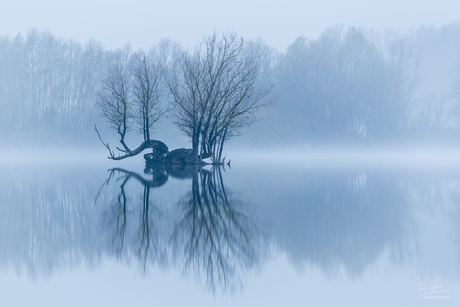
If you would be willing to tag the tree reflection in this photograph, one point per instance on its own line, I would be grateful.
(211, 235)
(214, 236)
(48, 221)
(336, 221)
(145, 242)
(340, 220)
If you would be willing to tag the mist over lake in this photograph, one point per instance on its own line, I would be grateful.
(230, 154)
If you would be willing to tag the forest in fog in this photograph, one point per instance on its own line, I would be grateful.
(349, 85)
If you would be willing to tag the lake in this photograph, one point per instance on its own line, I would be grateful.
(317, 231)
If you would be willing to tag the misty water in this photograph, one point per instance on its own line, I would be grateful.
(317, 230)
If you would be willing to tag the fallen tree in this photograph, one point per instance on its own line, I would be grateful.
(159, 154)
(158, 147)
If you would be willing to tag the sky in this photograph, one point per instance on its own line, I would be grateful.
(144, 22)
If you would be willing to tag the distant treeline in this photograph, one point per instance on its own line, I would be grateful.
(341, 84)
(49, 82)
(354, 84)
(347, 84)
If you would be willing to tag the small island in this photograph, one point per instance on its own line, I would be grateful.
(209, 93)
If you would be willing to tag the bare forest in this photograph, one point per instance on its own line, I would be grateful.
(349, 85)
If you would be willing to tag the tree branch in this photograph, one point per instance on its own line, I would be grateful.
(106, 145)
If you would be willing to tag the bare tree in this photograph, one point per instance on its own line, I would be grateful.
(131, 95)
(215, 93)
(115, 102)
(147, 92)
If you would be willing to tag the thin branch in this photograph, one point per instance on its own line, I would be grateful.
(106, 145)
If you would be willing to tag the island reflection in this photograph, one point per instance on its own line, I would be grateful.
(209, 232)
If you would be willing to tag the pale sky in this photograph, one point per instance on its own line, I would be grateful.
(144, 22)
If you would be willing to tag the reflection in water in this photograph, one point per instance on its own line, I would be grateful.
(343, 220)
(144, 218)
(211, 233)
(214, 235)
(331, 220)
(47, 221)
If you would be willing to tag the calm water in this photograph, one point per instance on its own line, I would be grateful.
(253, 235)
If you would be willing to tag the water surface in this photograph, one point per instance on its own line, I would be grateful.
(100, 233)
